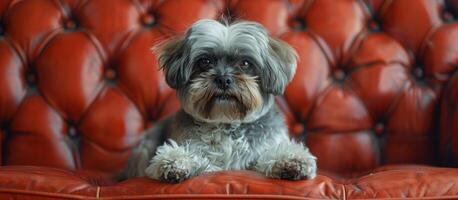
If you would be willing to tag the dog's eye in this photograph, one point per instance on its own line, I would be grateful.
(204, 62)
(245, 64)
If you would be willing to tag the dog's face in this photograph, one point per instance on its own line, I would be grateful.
(227, 73)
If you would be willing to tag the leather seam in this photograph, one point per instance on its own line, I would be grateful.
(211, 196)
(97, 195)
(46, 194)
(344, 192)
(195, 196)
(159, 196)
(417, 198)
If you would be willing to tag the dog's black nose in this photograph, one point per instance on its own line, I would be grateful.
(223, 82)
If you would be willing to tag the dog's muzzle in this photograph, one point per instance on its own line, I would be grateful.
(224, 82)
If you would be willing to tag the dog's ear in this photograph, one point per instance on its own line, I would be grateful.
(280, 65)
(173, 57)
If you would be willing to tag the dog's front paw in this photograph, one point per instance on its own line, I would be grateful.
(289, 160)
(171, 171)
(174, 163)
(295, 169)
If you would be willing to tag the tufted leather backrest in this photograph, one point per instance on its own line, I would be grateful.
(78, 82)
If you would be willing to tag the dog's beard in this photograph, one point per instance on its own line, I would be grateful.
(205, 101)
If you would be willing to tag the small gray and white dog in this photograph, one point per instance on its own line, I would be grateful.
(226, 77)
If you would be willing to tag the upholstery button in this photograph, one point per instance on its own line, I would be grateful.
(70, 25)
(447, 16)
(379, 128)
(31, 78)
(110, 74)
(148, 20)
(72, 132)
(298, 128)
(418, 72)
(339, 75)
(374, 26)
(297, 24)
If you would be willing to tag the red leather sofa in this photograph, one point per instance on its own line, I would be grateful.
(375, 97)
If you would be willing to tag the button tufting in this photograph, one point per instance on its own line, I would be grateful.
(31, 78)
(298, 128)
(70, 25)
(297, 24)
(110, 74)
(418, 72)
(148, 20)
(379, 128)
(72, 132)
(374, 26)
(447, 16)
(339, 75)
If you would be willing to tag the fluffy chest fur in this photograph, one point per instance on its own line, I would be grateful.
(231, 146)
(225, 147)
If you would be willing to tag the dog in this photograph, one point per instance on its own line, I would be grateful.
(226, 77)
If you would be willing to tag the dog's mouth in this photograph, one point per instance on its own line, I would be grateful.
(225, 97)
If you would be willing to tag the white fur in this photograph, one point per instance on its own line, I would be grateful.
(171, 156)
(282, 153)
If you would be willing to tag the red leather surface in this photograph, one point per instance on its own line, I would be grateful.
(83, 74)
(376, 84)
(406, 182)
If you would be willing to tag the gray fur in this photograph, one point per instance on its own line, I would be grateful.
(280, 66)
(275, 58)
(174, 61)
(210, 133)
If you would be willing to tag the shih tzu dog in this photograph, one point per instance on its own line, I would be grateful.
(226, 77)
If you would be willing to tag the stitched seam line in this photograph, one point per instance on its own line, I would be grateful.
(46, 194)
(344, 192)
(193, 196)
(97, 195)
(211, 196)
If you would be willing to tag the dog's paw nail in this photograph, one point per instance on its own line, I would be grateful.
(295, 169)
(289, 174)
(175, 175)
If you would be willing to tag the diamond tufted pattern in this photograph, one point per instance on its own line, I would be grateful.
(376, 84)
